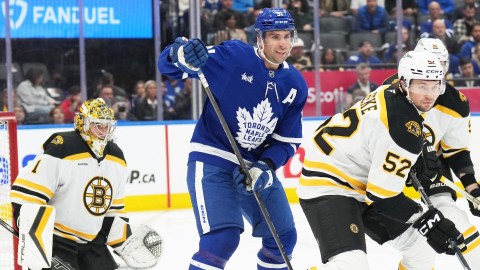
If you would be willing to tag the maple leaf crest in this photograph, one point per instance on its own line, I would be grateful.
(254, 128)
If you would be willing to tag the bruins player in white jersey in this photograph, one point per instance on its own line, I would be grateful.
(447, 132)
(356, 164)
(82, 174)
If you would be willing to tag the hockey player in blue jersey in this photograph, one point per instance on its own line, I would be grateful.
(261, 97)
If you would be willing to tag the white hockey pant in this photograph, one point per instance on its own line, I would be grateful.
(354, 259)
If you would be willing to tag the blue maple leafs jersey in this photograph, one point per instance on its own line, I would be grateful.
(262, 107)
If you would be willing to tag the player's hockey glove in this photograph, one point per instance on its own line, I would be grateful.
(262, 177)
(427, 167)
(439, 230)
(475, 209)
(189, 55)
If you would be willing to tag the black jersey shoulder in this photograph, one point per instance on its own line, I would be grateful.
(454, 100)
(114, 150)
(404, 122)
(64, 144)
(391, 80)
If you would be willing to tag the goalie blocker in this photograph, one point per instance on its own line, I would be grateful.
(35, 236)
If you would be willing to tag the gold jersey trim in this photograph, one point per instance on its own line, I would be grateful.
(34, 186)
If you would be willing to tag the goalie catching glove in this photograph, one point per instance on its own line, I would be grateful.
(142, 249)
(439, 231)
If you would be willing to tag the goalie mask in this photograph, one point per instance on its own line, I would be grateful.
(96, 123)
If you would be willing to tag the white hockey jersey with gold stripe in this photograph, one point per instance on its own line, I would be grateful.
(84, 190)
(447, 125)
(365, 152)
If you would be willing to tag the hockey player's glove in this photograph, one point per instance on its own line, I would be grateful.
(427, 167)
(439, 231)
(262, 176)
(475, 210)
(189, 55)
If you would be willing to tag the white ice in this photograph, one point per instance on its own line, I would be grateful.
(178, 230)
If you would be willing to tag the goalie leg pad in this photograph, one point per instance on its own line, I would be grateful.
(142, 249)
(36, 235)
(216, 248)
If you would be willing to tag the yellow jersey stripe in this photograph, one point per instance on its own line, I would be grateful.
(448, 111)
(383, 108)
(34, 186)
(87, 236)
(116, 160)
(336, 172)
(120, 240)
(472, 246)
(469, 231)
(118, 201)
(326, 182)
(378, 190)
(67, 236)
(26, 198)
(84, 155)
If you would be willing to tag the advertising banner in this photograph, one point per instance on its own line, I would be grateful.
(60, 19)
(333, 84)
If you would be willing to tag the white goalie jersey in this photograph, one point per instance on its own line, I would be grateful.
(84, 190)
(365, 152)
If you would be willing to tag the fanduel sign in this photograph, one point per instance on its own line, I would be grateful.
(60, 18)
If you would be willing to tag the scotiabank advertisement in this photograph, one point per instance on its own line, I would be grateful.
(334, 83)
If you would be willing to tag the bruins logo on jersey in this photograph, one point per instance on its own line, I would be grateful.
(414, 128)
(462, 96)
(57, 140)
(97, 196)
(354, 228)
(428, 134)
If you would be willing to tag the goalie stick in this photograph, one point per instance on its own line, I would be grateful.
(429, 203)
(464, 193)
(57, 263)
(234, 146)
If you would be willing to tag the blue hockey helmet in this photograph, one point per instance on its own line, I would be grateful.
(274, 19)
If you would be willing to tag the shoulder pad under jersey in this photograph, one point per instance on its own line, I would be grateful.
(453, 102)
(402, 120)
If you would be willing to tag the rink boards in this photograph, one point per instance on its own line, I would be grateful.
(157, 152)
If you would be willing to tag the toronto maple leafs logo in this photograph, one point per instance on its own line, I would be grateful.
(255, 128)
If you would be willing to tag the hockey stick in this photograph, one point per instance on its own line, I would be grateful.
(464, 193)
(57, 263)
(426, 199)
(234, 146)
